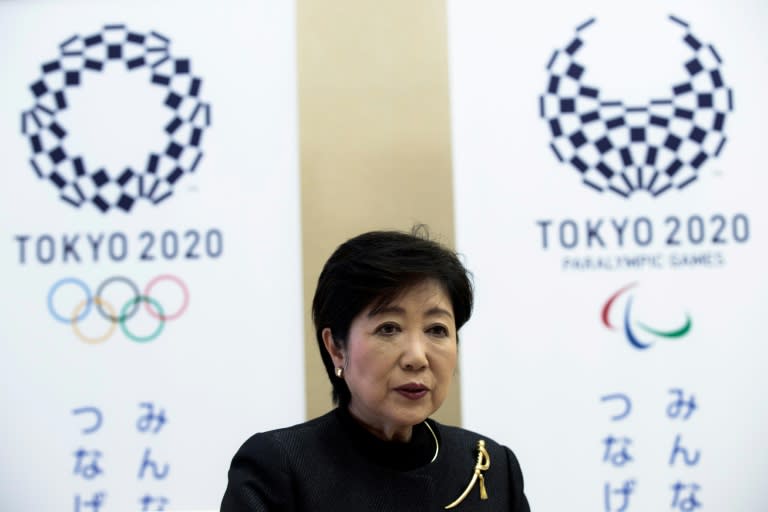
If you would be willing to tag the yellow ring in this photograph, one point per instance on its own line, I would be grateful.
(110, 311)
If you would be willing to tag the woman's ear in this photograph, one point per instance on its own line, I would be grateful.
(336, 352)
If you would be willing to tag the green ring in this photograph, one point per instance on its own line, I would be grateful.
(133, 302)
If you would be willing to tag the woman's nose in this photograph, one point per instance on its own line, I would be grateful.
(414, 355)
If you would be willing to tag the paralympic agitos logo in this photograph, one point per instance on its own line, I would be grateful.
(626, 148)
(639, 333)
(118, 301)
(80, 179)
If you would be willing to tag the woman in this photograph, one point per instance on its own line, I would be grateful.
(387, 309)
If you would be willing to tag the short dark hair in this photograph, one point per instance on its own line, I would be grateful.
(372, 269)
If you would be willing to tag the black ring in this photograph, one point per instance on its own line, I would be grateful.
(136, 298)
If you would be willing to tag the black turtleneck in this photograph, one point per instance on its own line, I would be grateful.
(334, 464)
(400, 456)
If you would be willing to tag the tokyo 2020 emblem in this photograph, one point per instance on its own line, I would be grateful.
(79, 180)
(626, 148)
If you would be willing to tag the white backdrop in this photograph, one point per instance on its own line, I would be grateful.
(146, 424)
(596, 312)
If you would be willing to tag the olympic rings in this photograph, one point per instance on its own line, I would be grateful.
(108, 312)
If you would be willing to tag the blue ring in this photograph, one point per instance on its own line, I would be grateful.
(88, 302)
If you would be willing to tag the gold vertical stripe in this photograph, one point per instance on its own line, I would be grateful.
(374, 127)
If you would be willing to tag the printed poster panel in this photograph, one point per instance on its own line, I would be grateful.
(610, 199)
(150, 222)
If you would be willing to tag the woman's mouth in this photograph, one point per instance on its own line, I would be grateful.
(412, 391)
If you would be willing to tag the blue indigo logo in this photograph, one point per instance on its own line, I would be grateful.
(80, 181)
(626, 148)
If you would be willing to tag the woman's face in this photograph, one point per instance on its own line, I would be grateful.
(399, 361)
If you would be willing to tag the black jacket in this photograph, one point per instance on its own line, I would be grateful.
(333, 464)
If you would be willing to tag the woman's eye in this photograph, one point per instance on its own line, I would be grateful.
(438, 330)
(387, 329)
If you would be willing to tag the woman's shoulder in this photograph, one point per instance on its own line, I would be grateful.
(259, 476)
(462, 440)
(463, 435)
(290, 436)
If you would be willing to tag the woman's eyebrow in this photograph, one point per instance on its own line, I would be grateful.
(435, 311)
(386, 309)
(438, 311)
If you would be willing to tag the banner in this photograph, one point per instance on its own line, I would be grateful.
(609, 194)
(151, 247)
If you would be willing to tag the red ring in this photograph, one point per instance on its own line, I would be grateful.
(178, 281)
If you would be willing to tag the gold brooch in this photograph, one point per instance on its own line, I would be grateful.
(483, 463)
